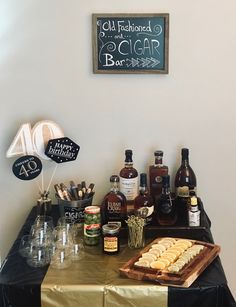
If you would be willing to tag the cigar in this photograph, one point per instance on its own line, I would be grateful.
(89, 191)
(58, 191)
(65, 192)
(80, 192)
(83, 184)
(74, 190)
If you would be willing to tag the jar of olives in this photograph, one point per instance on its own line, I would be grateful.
(92, 225)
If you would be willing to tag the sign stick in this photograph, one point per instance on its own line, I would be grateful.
(51, 178)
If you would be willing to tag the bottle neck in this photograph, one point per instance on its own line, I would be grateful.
(114, 187)
(158, 161)
(185, 158)
(166, 190)
(128, 164)
(185, 161)
(143, 190)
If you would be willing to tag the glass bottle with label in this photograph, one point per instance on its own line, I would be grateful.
(185, 181)
(143, 203)
(156, 172)
(193, 211)
(129, 180)
(165, 207)
(114, 207)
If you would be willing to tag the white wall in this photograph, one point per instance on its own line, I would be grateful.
(46, 73)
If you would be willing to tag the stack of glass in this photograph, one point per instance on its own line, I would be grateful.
(46, 244)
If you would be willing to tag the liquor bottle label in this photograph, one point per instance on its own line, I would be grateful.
(129, 187)
(194, 218)
(158, 179)
(113, 207)
(146, 212)
(182, 191)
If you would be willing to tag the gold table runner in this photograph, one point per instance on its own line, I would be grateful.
(95, 281)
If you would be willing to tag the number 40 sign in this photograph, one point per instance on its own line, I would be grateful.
(31, 141)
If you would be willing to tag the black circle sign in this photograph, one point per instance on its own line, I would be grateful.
(27, 167)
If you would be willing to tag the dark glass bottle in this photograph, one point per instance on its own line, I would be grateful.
(129, 180)
(143, 203)
(185, 179)
(114, 207)
(156, 172)
(165, 208)
(185, 182)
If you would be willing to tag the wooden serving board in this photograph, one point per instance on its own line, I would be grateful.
(184, 278)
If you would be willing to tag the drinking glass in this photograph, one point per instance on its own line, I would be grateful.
(44, 221)
(62, 237)
(25, 246)
(77, 250)
(41, 236)
(39, 256)
(61, 259)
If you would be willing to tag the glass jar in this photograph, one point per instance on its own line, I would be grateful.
(111, 238)
(92, 225)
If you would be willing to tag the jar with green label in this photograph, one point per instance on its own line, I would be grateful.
(92, 225)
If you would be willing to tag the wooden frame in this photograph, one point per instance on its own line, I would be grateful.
(130, 43)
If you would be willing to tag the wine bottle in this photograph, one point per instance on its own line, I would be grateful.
(156, 172)
(143, 203)
(185, 179)
(165, 207)
(185, 182)
(129, 180)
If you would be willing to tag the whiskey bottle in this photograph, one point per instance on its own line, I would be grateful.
(129, 180)
(114, 208)
(165, 208)
(156, 172)
(185, 181)
(143, 203)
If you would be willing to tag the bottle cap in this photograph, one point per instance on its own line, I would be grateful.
(128, 155)
(158, 153)
(185, 153)
(111, 228)
(114, 178)
(166, 181)
(194, 201)
(143, 180)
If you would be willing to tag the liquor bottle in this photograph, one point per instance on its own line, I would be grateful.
(114, 207)
(129, 180)
(143, 203)
(156, 172)
(193, 211)
(165, 207)
(185, 181)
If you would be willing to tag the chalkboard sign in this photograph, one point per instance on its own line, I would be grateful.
(130, 43)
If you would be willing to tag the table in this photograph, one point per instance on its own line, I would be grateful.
(95, 280)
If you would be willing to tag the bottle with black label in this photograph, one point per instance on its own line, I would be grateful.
(185, 181)
(143, 203)
(165, 207)
(129, 180)
(156, 172)
(114, 207)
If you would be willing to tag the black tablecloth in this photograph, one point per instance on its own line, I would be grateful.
(20, 284)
